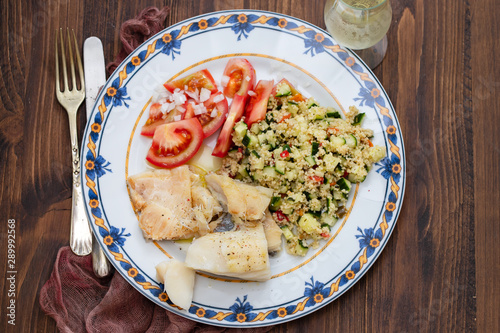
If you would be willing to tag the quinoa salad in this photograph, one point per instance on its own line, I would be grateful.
(310, 156)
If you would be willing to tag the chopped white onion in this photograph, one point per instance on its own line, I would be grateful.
(177, 90)
(194, 94)
(218, 98)
(248, 78)
(177, 118)
(179, 98)
(204, 94)
(224, 80)
(181, 108)
(167, 107)
(214, 113)
(199, 109)
(251, 93)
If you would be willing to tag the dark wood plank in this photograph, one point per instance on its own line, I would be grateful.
(438, 271)
(485, 83)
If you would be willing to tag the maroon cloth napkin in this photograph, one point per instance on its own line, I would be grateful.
(136, 31)
(78, 300)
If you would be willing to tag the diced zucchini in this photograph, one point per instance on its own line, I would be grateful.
(246, 140)
(283, 89)
(351, 141)
(255, 153)
(243, 172)
(250, 140)
(358, 119)
(287, 233)
(315, 148)
(337, 195)
(255, 129)
(309, 223)
(328, 219)
(241, 128)
(344, 184)
(275, 204)
(311, 103)
(310, 160)
(301, 248)
(270, 171)
(354, 178)
(259, 164)
(337, 141)
(262, 138)
(333, 114)
(293, 103)
(280, 167)
(315, 213)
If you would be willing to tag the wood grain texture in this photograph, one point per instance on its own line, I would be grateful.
(438, 271)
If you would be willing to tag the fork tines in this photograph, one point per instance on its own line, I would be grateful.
(72, 63)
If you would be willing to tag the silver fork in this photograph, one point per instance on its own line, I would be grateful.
(80, 237)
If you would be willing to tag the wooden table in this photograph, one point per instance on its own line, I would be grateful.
(439, 270)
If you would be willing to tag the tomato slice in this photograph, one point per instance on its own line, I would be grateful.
(241, 76)
(157, 118)
(235, 113)
(198, 80)
(175, 143)
(210, 124)
(257, 105)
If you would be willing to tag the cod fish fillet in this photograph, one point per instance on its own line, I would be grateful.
(178, 281)
(163, 199)
(240, 254)
(273, 232)
(245, 201)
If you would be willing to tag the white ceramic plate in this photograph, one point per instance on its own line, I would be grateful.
(278, 46)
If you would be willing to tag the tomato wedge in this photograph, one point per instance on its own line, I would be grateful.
(175, 143)
(208, 123)
(241, 77)
(198, 80)
(235, 113)
(257, 105)
(156, 118)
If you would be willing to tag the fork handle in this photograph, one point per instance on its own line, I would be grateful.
(80, 239)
